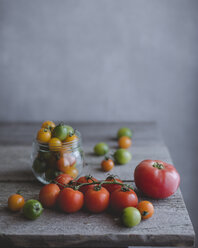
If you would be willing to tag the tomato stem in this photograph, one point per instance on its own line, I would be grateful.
(158, 165)
(98, 184)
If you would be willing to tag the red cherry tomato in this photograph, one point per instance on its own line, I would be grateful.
(86, 179)
(97, 199)
(48, 195)
(62, 180)
(156, 178)
(70, 200)
(123, 198)
(112, 187)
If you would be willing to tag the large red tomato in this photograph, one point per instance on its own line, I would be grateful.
(86, 179)
(156, 178)
(96, 199)
(123, 198)
(112, 187)
(70, 200)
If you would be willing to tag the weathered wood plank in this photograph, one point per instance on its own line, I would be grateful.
(170, 225)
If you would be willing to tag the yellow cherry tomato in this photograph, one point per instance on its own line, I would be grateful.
(16, 202)
(55, 144)
(72, 171)
(124, 142)
(71, 138)
(43, 135)
(49, 124)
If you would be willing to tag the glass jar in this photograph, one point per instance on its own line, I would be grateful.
(49, 162)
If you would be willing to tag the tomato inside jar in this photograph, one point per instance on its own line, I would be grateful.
(57, 156)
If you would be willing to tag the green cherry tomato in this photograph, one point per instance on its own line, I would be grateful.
(32, 209)
(44, 155)
(60, 132)
(122, 156)
(131, 217)
(52, 173)
(70, 130)
(39, 166)
(101, 149)
(124, 131)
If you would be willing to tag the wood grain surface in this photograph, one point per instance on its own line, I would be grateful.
(170, 225)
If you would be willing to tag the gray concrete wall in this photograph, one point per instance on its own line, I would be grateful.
(105, 60)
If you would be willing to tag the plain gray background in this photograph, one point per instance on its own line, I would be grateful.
(105, 60)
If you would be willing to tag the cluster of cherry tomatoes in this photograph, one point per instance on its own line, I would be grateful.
(95, 196)
(121, 156)
(154, 178)
(54, 155)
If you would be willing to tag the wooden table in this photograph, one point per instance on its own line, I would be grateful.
(170, 225)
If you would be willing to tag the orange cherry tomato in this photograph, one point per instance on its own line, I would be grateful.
(71, 138)
(49, 124)
(43, 135)
(48, 195)
(72, 171)
(55, 144)
(124, 142)
(107, 164)
(16, 202)
(146, 209)
(65, 161)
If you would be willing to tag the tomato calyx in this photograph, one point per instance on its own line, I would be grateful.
(126, 188)
(144, 213)
(61, 124)
(89, 177)
(97, 187)
(112, 176)
(158, 166)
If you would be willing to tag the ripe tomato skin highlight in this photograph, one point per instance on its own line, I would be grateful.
(49, 194)
(124, 142)
(86, 179)
(107, 164)
(112, 187)
(63, 179)
(146, 209)
(156, 178)
(97, 201)
(70, 200)
(16, 202)
(121, 199)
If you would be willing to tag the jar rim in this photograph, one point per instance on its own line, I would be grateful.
(71, 144)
